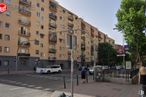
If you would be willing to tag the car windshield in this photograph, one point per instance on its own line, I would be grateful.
(55, 66)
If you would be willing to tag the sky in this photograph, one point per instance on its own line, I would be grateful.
(99, 13)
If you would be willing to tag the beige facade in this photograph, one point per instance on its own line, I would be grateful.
(38, 31)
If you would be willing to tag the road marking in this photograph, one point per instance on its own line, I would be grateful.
(38, 87)
(16, 88)
(24, 84)
(47, 89)
(31, 86)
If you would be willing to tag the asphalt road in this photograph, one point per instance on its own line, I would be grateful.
(47, 82)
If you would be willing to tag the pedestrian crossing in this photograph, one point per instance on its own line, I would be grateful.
(22, 85)
(47, 77)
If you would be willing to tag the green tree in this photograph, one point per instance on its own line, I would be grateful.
(132, 22)
(107, 54)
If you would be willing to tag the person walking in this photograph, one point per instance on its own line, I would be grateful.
(83, 74)
(142, 78)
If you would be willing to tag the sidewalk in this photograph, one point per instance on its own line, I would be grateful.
(15, 91)
(106, 89)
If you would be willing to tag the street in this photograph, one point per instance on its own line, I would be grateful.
(48, 83)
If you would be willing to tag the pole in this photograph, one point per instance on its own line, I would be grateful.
(17, 59)
(124, 56)
(94, 62)
(71, 73)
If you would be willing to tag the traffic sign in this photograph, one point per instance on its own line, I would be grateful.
(3, 7)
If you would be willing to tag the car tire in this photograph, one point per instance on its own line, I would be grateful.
(59, 71)
(48, 71)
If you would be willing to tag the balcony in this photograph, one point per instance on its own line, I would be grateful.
(53, 25)
(24, 22)
(23, 54)
(25, 2)
(24, 44)
(83, 46)
(52, 50)
(70, 25)
(83, 37)
(71, 18)
(52, 16)
(83, 32)
(25, 11)
(20, 33)
(53, 6)
(53, 37)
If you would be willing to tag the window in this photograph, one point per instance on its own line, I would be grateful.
(42, 27)
(38, 14)
(63, 11)
(37, 52)
(60, 17)
(7, 37)
(6, 49)
(1, 36)
(0, 49)
(36, 42)
(38, 5)
(42, 9)
(37, 32)
(8, 13)
(7, 25)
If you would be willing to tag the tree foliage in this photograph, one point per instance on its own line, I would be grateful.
(106, 54)
(132, 22)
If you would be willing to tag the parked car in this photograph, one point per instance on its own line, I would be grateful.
(49, 69)
(91, 70)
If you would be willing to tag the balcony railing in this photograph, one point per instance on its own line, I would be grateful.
(24, 34)
(52, 16)
(23, 54)
(25, 11)
(53, 37)
(53, 25)
(24, 22)
(83, 37)
(53, 6)
(52, 50)
(71, 18)
(83, 46)
(24, 44)
(70, 25)
(25, 2)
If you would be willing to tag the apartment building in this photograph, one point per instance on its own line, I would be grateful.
(37, 33)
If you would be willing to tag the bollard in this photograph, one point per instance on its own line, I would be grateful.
(64, 82)
(87, 78)
(93, 76)
(77, 80)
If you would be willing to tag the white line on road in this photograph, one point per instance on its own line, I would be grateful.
(38, 87)
(16, 88)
